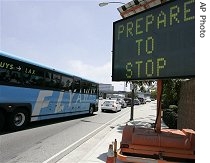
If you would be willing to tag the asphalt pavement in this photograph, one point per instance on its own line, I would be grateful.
(94, 148)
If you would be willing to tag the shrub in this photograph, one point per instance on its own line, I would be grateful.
(170, 94)
(170, 118)
(173, 108)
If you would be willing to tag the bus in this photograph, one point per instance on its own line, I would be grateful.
(31, 92)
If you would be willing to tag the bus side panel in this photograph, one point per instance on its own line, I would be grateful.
(48, 104)
(64, 104)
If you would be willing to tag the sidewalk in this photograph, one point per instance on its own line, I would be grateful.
(95, 149)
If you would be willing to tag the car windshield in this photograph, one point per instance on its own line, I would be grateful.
(108, 102)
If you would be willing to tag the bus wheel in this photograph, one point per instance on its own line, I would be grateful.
(2, 120)
(91, 110)
(18, 119)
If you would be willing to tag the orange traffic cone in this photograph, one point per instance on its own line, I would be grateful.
(110, 155)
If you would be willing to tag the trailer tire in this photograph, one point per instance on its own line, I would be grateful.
(18, 119)
(2, 119)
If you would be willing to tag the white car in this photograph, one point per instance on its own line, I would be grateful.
(148, 100)
(111, 105)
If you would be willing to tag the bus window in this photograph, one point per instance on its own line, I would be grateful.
(15, 77)
(32, 75)
(48, 82)
(76, 85)
(10, 71)
(56, 80)
(4, 75)
(26, 78)
(37, 79)
(66, 83)
(94, 89)
(84, 86)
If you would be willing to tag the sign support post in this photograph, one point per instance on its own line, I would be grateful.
(132, 103)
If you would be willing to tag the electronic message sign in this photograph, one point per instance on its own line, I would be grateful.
(155, 44)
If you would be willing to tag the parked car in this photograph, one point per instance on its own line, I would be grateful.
(137, 102)
(148, 99)
(122, 102)
(142, 100)
(111, 105)
(128, 101)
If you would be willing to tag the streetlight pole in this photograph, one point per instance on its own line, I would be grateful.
(132, 103)
(132, 85)
(106, 3)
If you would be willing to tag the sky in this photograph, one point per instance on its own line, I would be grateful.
(68, 35)
(74, 36)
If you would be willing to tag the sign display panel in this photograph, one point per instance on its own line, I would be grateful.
(155, 44)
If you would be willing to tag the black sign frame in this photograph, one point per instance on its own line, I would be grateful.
(157, 43)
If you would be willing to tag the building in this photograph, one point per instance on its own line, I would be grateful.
(105, 87)
(107, 90)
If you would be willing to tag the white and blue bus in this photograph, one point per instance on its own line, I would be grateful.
(32, 92)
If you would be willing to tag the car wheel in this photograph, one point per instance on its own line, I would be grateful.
(18, 119)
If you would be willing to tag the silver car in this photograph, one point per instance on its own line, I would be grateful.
(122, 102)
(111, 105)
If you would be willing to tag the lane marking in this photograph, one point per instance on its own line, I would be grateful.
(73, 146)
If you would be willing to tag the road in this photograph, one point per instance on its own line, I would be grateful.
(42, 140)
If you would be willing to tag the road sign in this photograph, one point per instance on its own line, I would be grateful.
(156, 43)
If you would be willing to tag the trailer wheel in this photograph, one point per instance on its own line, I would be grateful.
(2, 119)
(18, 119)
